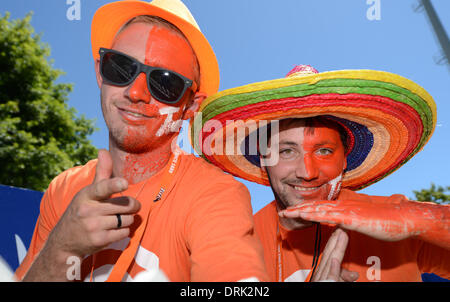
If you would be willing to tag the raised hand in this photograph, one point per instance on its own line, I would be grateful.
(329, 267)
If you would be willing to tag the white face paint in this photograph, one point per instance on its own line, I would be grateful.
(169, 125)
(335, 187)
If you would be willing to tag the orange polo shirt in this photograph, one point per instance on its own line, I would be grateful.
(373, 259)
(202, 230)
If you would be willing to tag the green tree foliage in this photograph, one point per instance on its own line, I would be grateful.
(40, 135)
(435, 194)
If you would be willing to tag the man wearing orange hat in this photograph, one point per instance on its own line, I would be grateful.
(144, 205)
(323, 136)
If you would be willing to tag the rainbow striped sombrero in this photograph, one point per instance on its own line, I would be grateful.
(387, 117)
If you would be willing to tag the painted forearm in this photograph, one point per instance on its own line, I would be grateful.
(433, 223)
(391, 219)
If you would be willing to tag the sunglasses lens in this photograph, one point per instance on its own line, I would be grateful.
(118, 69)
(166, 86)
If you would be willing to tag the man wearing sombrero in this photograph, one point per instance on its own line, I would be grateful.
(144, 206)
(335, 133)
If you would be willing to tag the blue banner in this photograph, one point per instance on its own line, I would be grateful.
(19, 209)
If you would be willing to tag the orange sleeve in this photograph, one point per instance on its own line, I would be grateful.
(220, 235)
(46, 221)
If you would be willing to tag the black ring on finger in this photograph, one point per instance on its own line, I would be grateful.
(119, 220)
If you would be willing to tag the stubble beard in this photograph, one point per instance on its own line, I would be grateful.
(124, 138)
(282, 201)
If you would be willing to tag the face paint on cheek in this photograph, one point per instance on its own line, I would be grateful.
(169, 124)
(335, 187)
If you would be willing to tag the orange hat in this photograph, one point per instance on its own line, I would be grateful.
(109, 18)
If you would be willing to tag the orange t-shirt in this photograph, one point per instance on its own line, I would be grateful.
(373, 259)
(202, 230)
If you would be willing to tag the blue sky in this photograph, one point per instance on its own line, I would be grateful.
(257, 40)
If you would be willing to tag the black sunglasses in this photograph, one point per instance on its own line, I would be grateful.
(119, 69)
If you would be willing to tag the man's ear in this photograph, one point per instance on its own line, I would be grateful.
(194, 105)
(97, 73)
(345, 164)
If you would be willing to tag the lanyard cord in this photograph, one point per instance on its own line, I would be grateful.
(316, 256)
(279, 260)
(316, 250)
